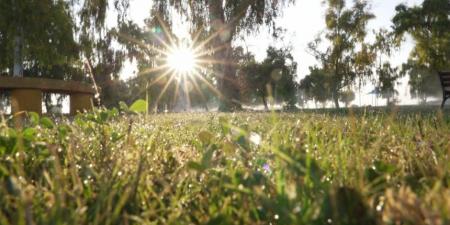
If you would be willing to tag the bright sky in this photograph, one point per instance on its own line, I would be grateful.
(303, 22)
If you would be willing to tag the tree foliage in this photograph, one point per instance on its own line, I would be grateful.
(316, 85)
(428, 24)
(345, 29)
(46, 32)
(56, 38)
(273, 78)
(387, 75)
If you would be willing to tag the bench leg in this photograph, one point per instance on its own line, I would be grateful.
(443, 102)
(26, 100)
(80, 103)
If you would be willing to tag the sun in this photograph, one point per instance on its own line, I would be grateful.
(183, 67)
(182, 60)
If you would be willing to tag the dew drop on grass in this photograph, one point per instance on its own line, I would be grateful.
(379, 207)
(255, 138)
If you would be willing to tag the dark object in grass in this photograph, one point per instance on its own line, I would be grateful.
(345, 205)
(445, 83)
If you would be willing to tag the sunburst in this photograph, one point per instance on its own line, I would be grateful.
(182, 60)
(182, 63)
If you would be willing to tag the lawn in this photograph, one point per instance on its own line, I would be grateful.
(369, 166)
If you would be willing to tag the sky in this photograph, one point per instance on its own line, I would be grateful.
(302, 21)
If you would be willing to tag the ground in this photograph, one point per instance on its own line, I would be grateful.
(362, 166)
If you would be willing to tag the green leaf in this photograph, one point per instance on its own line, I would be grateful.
(29, 134)
(103, 116)
(139, 106)
(47, 123)
(123, 106)
(205, 137)
(195, 166)
(34, 118)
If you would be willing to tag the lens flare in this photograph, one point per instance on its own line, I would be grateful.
(179, 66)
(182, 60)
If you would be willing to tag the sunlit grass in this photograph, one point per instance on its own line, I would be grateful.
(112, 167)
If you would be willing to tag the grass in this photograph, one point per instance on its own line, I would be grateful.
(314, 167)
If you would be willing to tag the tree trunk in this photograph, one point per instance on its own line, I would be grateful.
(18, 60)
(336, 99)
(266, 107)
(225, 70)
(229, 86)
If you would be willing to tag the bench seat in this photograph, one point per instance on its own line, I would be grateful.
(26, 93)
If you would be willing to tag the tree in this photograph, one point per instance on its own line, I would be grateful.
(97, 52)
(428, 24)
(223, 21)
(345, 27)
(317, 85)
(247, 66)
(55, 38)
(423, 82)
(347, 97)
(273, 77)
(39, 33)
(37, 40)
(363, 66)
(387, 74)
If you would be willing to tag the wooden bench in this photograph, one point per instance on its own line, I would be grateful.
(26, 93)
(445, 82)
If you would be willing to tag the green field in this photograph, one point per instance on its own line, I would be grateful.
(314, 167)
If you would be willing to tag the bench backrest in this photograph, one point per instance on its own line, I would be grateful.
(445, 79)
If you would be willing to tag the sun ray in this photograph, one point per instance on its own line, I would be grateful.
(197, 35)
(175, 96)
(185, 63)
(140, 43)
(208, 84)
(164, 90)
(209, 39)
(153, 69)
(212, 61)
(160, 77)
(197, 88)
(218, 48)
(186, 92)
(166, 31)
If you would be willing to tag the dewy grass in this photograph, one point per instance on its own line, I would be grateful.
(320, 167)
